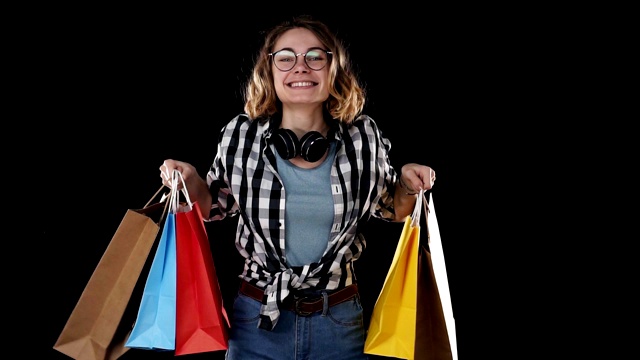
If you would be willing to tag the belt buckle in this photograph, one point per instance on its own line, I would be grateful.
(296, 307)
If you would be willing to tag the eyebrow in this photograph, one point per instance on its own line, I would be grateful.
(311, 48)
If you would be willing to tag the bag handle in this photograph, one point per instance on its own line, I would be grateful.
(415, 216)
(425, 204)
(155, 195)
(427, 210)
(174, 197)
(162, 200)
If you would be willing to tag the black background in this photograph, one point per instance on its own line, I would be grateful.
(119, 90)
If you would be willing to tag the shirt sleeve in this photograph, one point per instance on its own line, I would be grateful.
(223, 202)
(382, 170)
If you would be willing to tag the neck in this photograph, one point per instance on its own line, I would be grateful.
(303, 120)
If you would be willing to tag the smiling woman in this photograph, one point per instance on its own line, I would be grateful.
(290, 162)
(300, 226)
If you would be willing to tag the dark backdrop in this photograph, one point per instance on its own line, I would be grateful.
(120, 90)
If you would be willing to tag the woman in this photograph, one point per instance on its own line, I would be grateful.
(304, 169)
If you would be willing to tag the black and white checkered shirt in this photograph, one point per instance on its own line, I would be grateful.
(244, 180)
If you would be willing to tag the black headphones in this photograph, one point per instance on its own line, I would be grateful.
(310, 147)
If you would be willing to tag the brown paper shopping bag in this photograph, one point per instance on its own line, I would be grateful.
(90, 331)
(435, 325)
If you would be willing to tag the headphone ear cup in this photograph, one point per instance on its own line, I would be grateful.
(286, 143)
(313, 146)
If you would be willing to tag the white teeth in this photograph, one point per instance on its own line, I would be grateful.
(298, 84)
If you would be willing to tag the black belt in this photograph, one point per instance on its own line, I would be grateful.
(301, 304)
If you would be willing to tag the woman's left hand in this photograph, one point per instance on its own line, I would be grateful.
(415, 177)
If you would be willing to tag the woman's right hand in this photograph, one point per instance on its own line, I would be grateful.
(196, 185)
(187, 170)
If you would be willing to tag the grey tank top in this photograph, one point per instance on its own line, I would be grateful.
(308, 209)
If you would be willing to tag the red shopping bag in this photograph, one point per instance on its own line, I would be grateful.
(201, 320)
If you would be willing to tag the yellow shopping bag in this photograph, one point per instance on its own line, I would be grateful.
(412, 317)
(392, 330)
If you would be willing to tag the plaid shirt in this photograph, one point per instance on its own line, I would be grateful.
(244, 180)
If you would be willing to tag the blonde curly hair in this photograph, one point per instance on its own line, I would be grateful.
(346, 95)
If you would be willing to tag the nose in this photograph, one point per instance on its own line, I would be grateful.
(301, 65)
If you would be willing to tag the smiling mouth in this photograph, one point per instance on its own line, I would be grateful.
(302, 84)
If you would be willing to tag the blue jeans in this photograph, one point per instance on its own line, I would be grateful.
(338, 334)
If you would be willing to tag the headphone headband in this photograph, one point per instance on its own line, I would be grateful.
(311, 147)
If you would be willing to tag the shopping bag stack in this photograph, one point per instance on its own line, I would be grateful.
(181, 307)
(92, 331)
(412, 317)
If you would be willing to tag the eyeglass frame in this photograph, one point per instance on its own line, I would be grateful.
(272, 54)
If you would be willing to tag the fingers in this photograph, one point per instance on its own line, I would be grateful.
(418, 176)
(166, 169)
(432, 177)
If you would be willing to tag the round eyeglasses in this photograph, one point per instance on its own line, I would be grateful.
(286, 59)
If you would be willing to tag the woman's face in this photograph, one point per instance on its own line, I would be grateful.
(301, 85)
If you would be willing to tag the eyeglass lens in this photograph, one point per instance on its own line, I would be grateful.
(285, 60)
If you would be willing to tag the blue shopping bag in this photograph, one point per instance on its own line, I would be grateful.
(155, 326)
